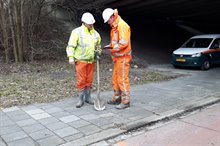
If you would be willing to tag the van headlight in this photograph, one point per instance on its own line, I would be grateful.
(196, 55)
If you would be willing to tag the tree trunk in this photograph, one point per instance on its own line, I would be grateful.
(4, 31)
(23, 37)
(21, 26)
(13, 31)
(18, 29)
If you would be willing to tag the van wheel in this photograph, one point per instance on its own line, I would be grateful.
(176, 66)
(205, 65)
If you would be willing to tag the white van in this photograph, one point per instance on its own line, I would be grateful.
(199, 51)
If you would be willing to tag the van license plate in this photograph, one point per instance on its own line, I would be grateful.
(181, 60)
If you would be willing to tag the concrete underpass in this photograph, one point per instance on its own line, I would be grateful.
(161, 26)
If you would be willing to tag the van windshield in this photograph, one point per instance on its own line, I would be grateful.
(197, 43)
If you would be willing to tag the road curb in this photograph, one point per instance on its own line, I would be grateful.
(174, 113)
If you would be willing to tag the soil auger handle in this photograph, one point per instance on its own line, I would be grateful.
(99, 105)
(98, 78)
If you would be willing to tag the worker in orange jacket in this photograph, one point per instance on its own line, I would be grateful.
(83, 46)
(120, 45)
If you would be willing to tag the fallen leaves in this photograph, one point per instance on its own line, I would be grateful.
(39, 82)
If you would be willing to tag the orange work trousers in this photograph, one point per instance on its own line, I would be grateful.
(84, 75)
(120, 76)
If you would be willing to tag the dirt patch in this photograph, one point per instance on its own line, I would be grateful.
(47, 81)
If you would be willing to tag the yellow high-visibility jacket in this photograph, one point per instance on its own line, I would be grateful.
(82, 44)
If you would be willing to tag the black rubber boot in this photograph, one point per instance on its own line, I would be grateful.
(115, 102)
(123, 106)
(81, 99)
(88, 98)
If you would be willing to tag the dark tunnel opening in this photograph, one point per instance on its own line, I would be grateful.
(159, 27)
(153, 41)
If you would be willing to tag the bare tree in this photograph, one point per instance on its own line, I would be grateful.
(11, 20)
(28, 28)
(22, 23)
(4, 30)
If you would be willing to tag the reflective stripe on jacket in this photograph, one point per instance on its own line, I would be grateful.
(120, 38)
(81, 45)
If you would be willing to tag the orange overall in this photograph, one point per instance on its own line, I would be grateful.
(84, 75)
(121, 56)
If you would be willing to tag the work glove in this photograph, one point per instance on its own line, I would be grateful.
(98, 51)
(71, 60)
(97, 56)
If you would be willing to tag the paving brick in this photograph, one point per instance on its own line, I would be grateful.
(41, 134)
(40, 116)
(68, 119)
(14, 136)
(20, 117)
(67, 131)
(53, 110)
(2, 143)
(141, 114)
(163, 109)
(89, 129)
(87, 140)
(60, 114)
(73, 137)
(9, 129)
(15, 108)
(56, 125)
(33, 128)
(23, 142)
(70, 109)
(26, 122)
(107, 115)
(78, 112)
(107, 126)
(28, 107)
(4, 123)
(89, 117)
(45, 106)
(15, 113)
(133, 118)
(51, 141)
(79, 123)
(48, 120)
(1, 112)
(119, 120)
(100, 121)
(34, 111)
(4, 117)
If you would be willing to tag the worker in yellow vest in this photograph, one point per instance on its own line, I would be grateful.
(83, 46)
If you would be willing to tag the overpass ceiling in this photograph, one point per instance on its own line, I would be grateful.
(186, 10)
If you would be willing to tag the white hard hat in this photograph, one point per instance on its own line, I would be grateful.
(88, 18)
(107, 13)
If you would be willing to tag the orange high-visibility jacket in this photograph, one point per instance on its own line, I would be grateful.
(120, 38)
